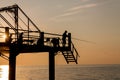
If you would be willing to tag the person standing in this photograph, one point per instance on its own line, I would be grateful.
(64, 36)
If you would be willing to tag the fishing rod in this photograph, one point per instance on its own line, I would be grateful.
(71, 38)
(84, 40)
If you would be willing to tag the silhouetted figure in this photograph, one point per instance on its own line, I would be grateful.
(40, 42)
(48, 41)
(55, 42)
(20, 41)
(64, 38)
(9, 40)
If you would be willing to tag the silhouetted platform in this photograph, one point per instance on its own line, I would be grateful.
(26, 37)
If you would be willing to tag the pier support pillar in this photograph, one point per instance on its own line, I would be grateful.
(12, 67)
(51, 65)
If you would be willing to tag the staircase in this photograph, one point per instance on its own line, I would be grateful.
(71, 56)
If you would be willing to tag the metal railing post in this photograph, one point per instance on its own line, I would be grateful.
(69, 40)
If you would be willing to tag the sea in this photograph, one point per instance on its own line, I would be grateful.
(64, 72)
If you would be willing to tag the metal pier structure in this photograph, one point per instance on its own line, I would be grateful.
(21, 35)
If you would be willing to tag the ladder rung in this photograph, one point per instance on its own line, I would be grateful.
(70, 59)
(70, 56)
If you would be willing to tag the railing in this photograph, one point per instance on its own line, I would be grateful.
(51, 39)
(75, 53)
(18, 22)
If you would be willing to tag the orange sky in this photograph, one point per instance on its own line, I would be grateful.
(92, 20)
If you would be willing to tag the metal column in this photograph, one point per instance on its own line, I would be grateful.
(51, 65)
(12, 67)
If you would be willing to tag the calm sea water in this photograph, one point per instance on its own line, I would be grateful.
(65, 72)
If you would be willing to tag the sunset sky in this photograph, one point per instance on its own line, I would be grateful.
(96, 21)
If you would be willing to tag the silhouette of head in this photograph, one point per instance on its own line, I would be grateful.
(65, 31)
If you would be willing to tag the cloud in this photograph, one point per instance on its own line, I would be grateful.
(69, 13)
(82, 7)
(64, 15)
(75, 10)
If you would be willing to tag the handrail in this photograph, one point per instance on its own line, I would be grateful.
(73, 47)
(52, 34)
(25, 31)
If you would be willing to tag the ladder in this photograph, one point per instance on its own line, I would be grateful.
(71, 56)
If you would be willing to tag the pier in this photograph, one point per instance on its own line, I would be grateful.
(24, 36)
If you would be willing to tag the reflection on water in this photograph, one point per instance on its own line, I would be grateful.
(3, 72)
(65, 72)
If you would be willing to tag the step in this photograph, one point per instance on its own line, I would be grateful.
(71, 61)
(69, 56)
